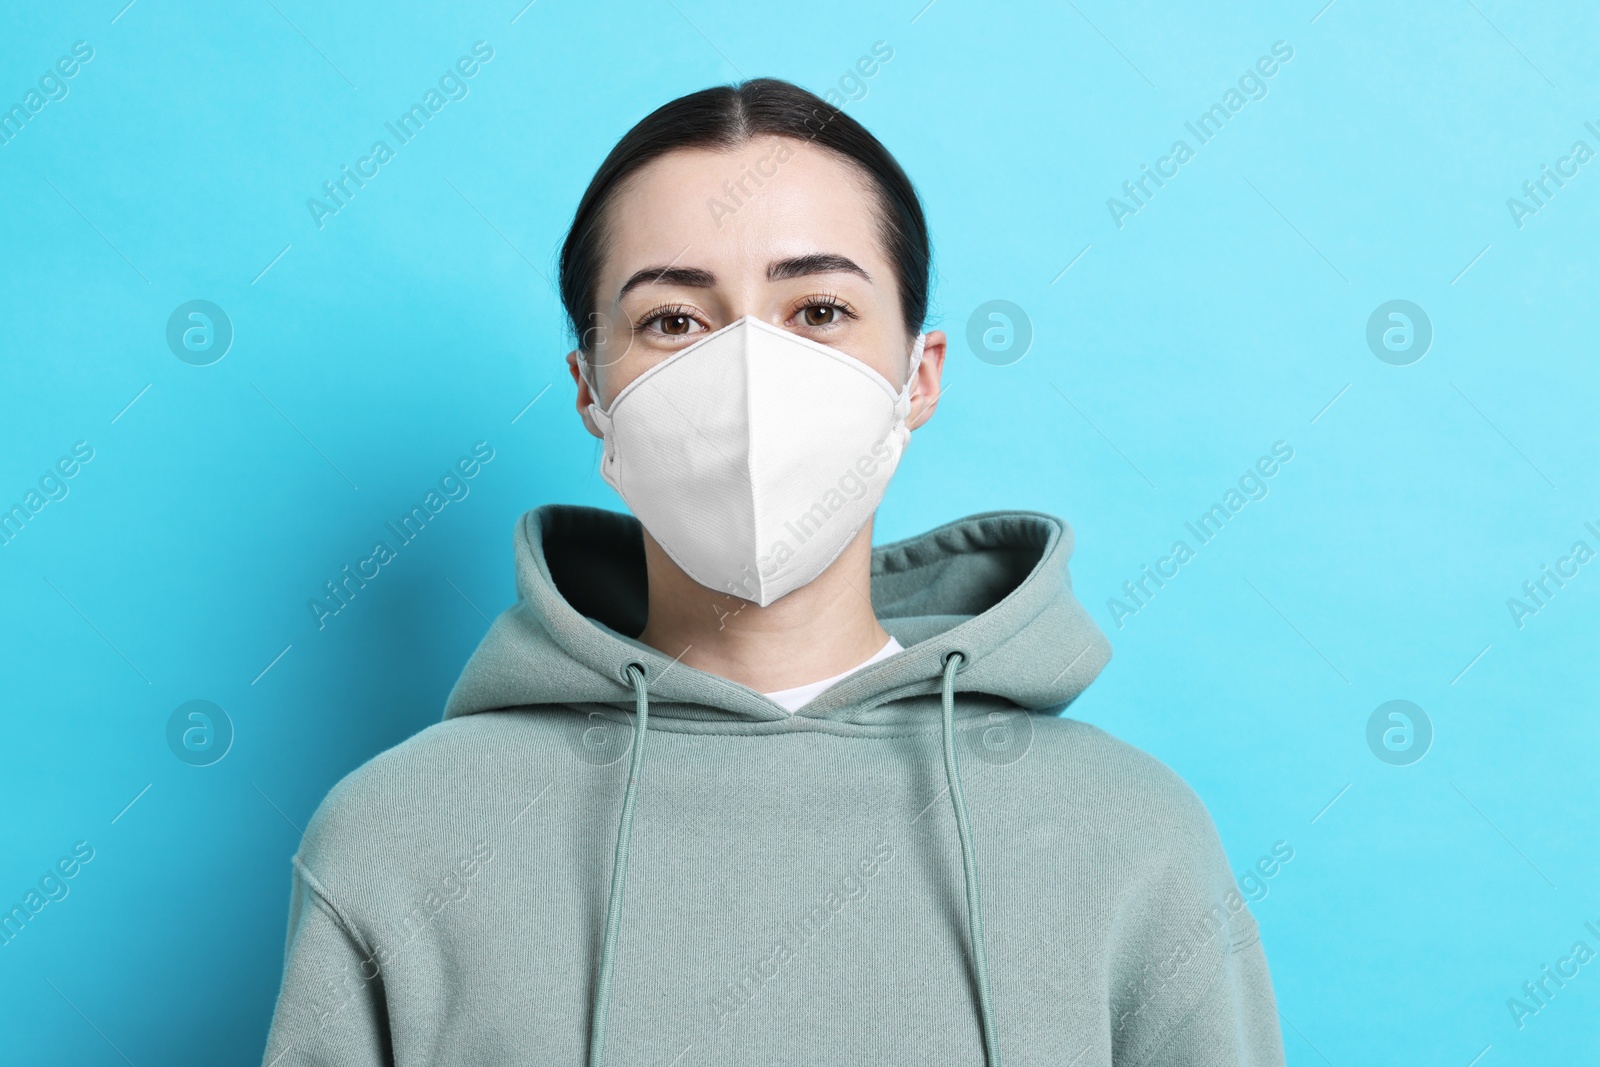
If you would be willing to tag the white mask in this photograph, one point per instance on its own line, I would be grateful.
(754, 456)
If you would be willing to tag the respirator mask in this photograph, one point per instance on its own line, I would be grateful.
(754, 455)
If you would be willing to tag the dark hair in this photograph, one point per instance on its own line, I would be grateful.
(727, 116)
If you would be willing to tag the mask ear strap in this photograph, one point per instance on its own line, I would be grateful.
(902, 403)
(601, 417)
(916, 362)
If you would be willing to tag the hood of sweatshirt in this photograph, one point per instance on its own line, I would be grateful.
(993, 587)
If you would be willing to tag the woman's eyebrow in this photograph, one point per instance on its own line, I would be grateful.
(814, 263)
(692, 277)
(778, 270)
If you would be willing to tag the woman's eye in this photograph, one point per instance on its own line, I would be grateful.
(819, 315)
(669, 323)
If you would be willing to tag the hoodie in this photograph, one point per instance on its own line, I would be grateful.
(603, 856)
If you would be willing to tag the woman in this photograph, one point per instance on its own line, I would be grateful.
(728, 785)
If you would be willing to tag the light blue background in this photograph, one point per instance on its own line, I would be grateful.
(1224, 316)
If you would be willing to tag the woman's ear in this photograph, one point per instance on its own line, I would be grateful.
(585, 397)
(926, 387)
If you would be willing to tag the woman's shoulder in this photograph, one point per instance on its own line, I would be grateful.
(439, 781)
(1092, 777)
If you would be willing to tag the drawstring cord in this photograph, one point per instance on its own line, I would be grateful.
(619, 866)
(980, 963)
(619, 870)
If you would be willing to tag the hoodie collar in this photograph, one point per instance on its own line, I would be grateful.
(993, 586)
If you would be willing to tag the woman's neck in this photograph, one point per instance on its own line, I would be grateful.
(822, 629)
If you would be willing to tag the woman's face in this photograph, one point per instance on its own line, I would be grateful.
(695, 243)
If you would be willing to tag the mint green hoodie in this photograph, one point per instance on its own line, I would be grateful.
(791, 889)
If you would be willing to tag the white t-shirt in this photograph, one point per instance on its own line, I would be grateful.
(792, 700)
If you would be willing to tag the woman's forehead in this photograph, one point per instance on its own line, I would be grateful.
(739, 212)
